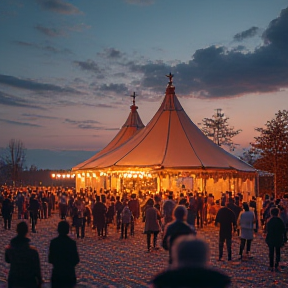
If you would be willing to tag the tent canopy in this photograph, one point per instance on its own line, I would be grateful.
(169, 141)
(131, 127)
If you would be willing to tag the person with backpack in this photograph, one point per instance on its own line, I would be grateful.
(126, 216)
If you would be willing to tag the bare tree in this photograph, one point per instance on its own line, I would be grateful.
(218, 129)
(14, 158)
(271, 147)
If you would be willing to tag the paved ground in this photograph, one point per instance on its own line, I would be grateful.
(124, 263)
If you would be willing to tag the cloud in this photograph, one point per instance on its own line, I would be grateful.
(19, 123)
(51, 32)
(277, 32)
(76, 122)
(88, 65)
(246, 34)
(140, 2)
(33, 85)
(116, 88)
(36, 116)
(87, 124)
(10, 100)
(48, 48)
(111, 53)
(217, 72)
(58, 6)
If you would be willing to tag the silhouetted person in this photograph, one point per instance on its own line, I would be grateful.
(176, 228)
(190, 267)
(63, 255)
(34, 207)
(227, 219)
(99, 214)
(25, 271)
(7, 209)
(275, 238)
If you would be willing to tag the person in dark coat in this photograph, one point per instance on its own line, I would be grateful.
(99, 216)
(152, 225)
(275, 238)
(176, 228)
(34, 207)
(7, 209)
(63, 255)
(25, 270)
(134, 206)
(236, 209)
(20, 203)
(118, 209)
(226, 218)
(190, 267)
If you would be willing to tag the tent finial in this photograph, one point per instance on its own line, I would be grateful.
(170, 76)
(133, 96)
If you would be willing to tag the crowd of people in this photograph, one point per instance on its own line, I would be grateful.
(162, 213)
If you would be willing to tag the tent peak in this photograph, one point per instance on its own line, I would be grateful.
(133, 107)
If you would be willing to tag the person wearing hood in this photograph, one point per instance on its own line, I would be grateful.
(25, 270)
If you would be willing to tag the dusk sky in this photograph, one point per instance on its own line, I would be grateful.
(67, 68)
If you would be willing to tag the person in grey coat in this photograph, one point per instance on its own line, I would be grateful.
(246, 221)
(152, 226)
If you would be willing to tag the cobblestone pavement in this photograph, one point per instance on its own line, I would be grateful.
(113, 262)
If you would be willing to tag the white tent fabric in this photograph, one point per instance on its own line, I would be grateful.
(132, 126)
(169, 141)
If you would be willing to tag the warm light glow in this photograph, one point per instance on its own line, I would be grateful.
(79, 175)
(68, 176)
(58, 175)
(64, 176)
(83, 174)
(53, 175)
(73, 175)
(101, 173)
(129, 175)
(94, 175)
(88, 174)
(135, 176)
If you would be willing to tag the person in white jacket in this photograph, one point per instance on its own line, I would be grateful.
(246, 221)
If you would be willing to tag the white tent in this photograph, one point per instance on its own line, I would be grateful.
(170, 146)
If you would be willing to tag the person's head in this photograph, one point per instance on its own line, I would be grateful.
(133, 196)
(22, 229)
(63, 228)
(97, 198)
(188, 251)
(245, 206)
(274, 212)
(180, 213)
(150, 202)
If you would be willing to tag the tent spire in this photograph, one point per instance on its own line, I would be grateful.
(170, 76)
(133, 106)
